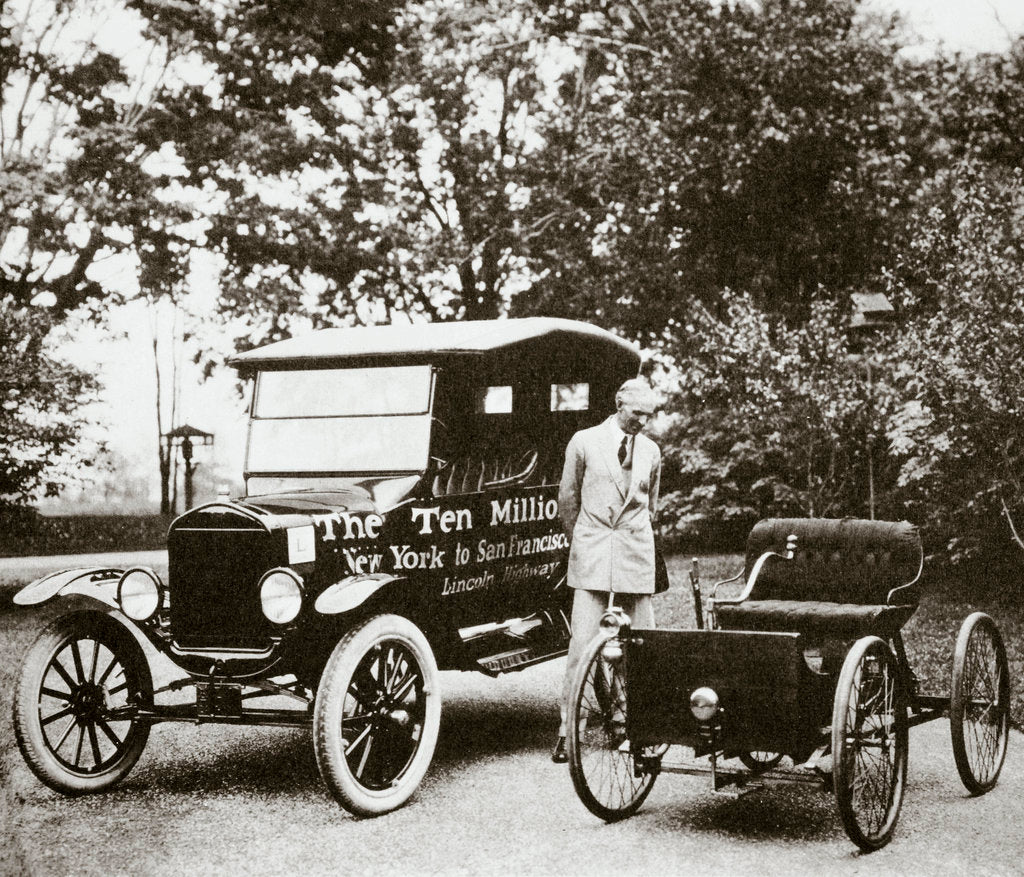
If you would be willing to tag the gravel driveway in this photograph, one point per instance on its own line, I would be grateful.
(229, 800)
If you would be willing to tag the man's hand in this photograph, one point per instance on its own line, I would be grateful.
(570, 486)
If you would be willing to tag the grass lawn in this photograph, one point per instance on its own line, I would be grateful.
(929, 636)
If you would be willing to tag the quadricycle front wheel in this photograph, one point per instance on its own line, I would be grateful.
(610, 775)
(869, 743)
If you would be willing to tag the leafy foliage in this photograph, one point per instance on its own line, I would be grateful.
(207, 135)
(459, 128)
(976, 105)
(771, 420)
(199, 130)
(40, 401)
(960, 429)
(760, 147)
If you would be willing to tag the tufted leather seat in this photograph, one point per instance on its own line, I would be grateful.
(843, 620)
(847, 578)
(473, 474)
(462, 475)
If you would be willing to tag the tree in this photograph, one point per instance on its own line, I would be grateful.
(960, 429)
(457, 129)
(73, 165)
(761, 147)
(40, 404)
(204, 137)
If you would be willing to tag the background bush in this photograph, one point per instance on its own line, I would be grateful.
(771, 419)
(25, 533)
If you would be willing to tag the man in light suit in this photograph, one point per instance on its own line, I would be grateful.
(607, 500)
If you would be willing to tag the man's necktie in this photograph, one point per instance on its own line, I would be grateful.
(623, 450)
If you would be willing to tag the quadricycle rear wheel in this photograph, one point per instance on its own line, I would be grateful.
(979, 709)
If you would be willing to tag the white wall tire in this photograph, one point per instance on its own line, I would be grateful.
(377, 715)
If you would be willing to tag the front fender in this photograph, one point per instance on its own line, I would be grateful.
(351, 592)
(98, 582)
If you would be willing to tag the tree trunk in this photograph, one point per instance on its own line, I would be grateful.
(174, 485)
(165, 472)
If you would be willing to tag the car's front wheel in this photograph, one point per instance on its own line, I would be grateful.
(76, 704)
(377, 714)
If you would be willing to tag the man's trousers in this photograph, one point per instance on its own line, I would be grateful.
(587, 609)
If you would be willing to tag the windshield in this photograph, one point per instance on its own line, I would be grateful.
(343, 392)
(357, 420)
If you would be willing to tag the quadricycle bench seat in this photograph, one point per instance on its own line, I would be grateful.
(816, 618)
(847, 578)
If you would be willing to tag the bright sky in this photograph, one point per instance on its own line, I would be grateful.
(966, 25)
(125, 367)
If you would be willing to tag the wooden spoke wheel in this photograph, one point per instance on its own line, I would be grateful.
(377, 714)
(76, 703)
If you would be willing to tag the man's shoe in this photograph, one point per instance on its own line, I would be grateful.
(558, 754)
(820, 762)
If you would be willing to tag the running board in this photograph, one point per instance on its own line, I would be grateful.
(518, 659)
(517, 643)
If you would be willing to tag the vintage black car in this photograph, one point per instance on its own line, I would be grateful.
(400, 516)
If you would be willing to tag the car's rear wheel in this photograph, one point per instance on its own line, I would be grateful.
(76, 703)
(377, 714)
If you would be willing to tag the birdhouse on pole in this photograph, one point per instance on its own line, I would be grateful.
(871, 312)
(186, 438)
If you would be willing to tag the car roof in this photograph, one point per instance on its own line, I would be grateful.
(433, 342)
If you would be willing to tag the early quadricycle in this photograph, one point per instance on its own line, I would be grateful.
(807, 663)
(401, 516)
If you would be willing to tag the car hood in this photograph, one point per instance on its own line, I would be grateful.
(311, 502)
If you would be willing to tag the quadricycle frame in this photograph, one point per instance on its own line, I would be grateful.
(802, 678)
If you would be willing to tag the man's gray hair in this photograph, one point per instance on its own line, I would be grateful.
(633, 388)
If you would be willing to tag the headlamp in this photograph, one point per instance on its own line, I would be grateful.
(138, 593)
(281, 595)
(704, 704)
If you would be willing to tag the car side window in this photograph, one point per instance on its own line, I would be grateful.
(494, 400)
(570, 397)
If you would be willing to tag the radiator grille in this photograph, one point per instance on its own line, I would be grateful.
(214, 576)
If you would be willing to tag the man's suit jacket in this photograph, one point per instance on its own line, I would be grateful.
(608, 518)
